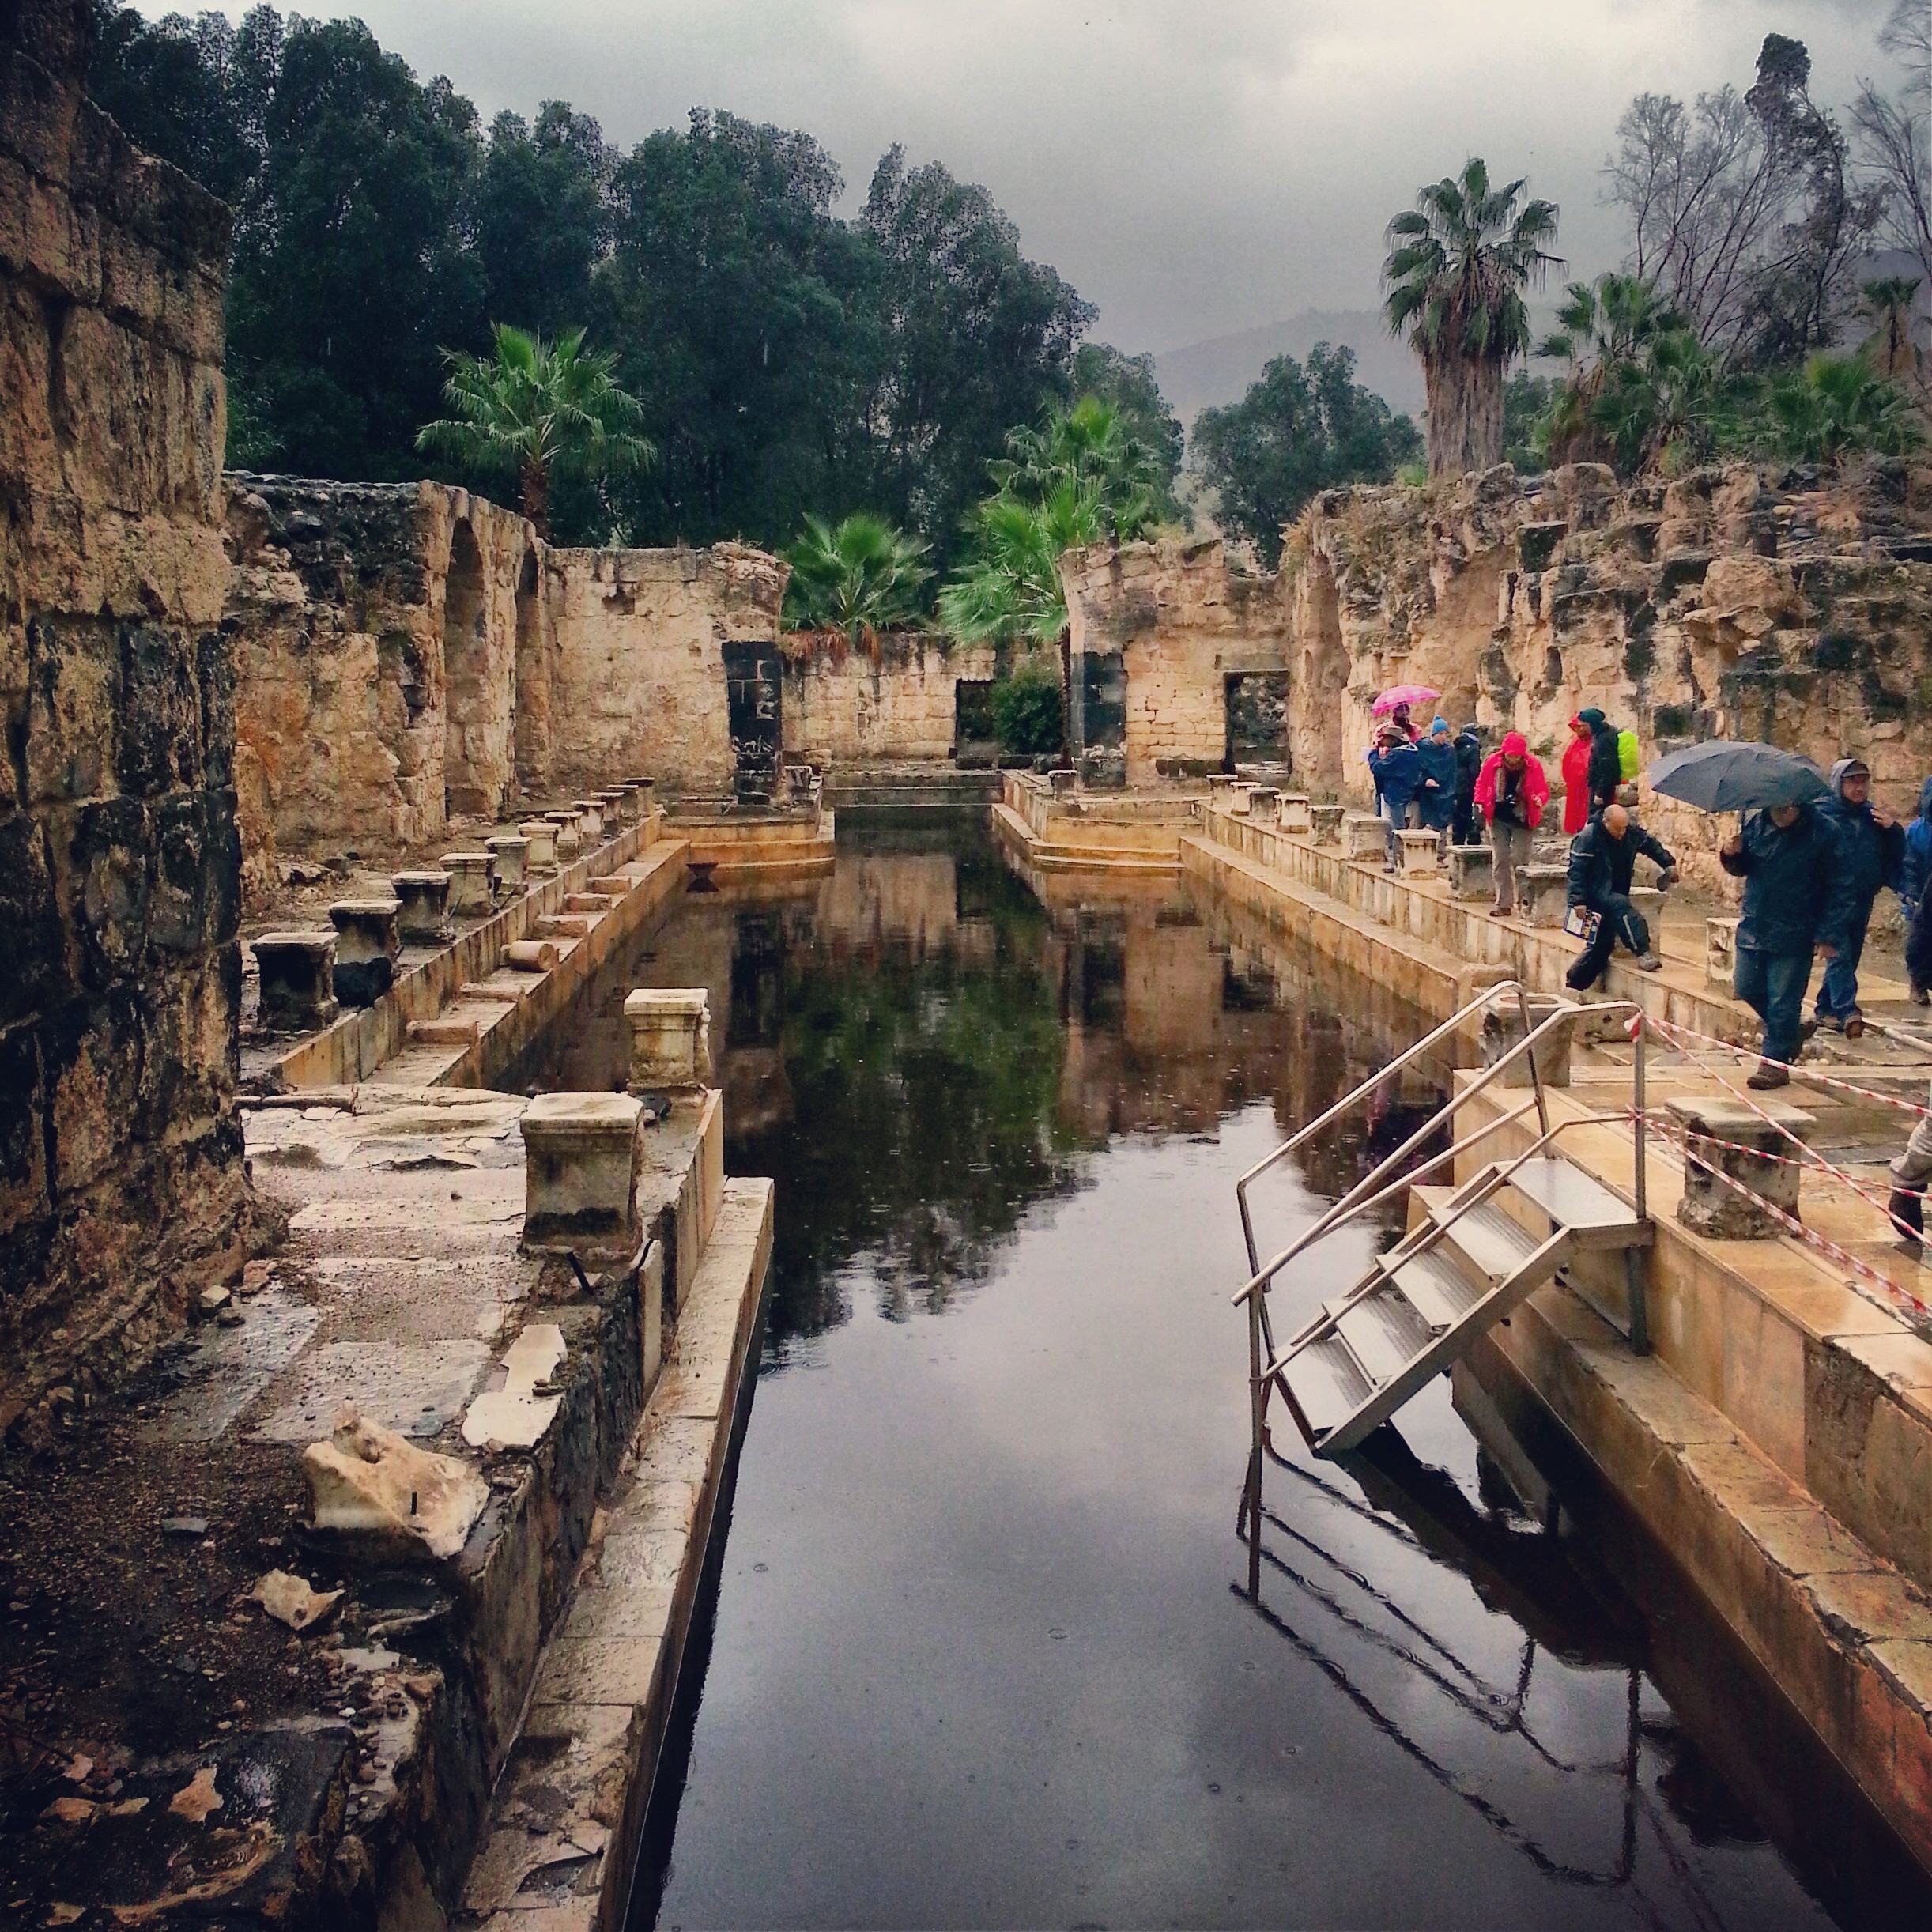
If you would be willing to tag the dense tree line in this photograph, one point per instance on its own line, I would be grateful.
(788, 362)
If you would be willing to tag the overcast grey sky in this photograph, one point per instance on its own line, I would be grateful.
(1195, 167)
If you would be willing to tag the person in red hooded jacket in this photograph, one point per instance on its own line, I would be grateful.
(1512, 790)
(1576, 778)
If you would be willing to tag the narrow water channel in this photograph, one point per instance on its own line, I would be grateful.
(979, 1650)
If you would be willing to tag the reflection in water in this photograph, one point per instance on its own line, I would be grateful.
(981, 1650)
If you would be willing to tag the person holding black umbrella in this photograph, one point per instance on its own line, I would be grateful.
(1795, 902)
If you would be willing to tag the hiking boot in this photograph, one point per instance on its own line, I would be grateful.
(1502, 912)
(1908, 1210)
(1769, 1075)
(1829, 1022)
(1854, 1025)
(1805, 1029)
(1650, 963)
(1919, 996)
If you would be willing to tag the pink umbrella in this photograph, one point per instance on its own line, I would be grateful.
(1411, 695)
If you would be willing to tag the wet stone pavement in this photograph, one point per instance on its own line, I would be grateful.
(980, 1650)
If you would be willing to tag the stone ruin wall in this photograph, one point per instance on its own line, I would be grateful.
(122, 1183)
(1740, 602)
(408, 654)
(638, 679)
(1175, 620)
(847, 706)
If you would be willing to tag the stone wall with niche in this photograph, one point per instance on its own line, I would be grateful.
(850, 705)
(122, 1189)
(1156, 631)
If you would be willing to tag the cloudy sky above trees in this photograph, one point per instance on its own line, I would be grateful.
(1195, 167)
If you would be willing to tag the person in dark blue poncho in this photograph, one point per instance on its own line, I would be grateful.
(1872, 844)
(1396, 766)
(1437, 797)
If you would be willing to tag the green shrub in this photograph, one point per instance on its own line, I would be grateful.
(1026, 710)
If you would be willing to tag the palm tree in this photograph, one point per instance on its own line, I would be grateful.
(1458, 262)
(1837, 406)
(1090, 443)
(1009, 591)
(536, 409)
(1667, 406)
(859, 579)
(1601, 327)
(1888, 302)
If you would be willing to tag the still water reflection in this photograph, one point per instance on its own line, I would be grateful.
(980, 1650)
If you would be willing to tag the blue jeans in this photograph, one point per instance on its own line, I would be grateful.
(1838, 991)
(1772, 985)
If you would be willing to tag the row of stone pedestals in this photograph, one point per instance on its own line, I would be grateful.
(308, 977)
(584, 1151)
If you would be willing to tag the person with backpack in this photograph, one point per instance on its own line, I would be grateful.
(1915, 875)
(1437, 798)
(1603, 857)
(1605, 771)
(1576, 776)
(1468, 768)
(1873, 845)
(1511, 791)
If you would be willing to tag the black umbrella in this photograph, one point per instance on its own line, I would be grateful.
(1720, 775)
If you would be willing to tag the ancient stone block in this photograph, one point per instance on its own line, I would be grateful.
(589, 820)
(1545, 890)
(670, 1038)
(369, 1484)
(1325, 822)
(297, 971)
(1417, 851)
(368, 939)
(1720, 952)
(423, 906)
(1502, 1028)
(1264, 805)
(1364, 837)
(509, 852)
(1472, 872)
(582, 1152)
(1739, 1142)
(1296, 812)
(540, 854)
(469, 884)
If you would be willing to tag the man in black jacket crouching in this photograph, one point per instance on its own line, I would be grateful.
(1602, 857)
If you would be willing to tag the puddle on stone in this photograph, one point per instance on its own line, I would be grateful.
(220, 1376)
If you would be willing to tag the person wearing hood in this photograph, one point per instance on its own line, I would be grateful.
(1576, 772)
(1915, 875)
(1603, 859)
(1468, 767)
(1605, 772)
(1795, 900)
(1436, 798)
(1873, 845)
(1396, 766)
(1512, 790)
(1911, 1173)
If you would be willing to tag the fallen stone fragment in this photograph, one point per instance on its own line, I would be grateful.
(256, 1276)
(80, 1771)
(515, 1416)
(213, 1300)
(369, 1480)
(70, 1810)
(197, 1798)
(291, 1600)
(184, 1526)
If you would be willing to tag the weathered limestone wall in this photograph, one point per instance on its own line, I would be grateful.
(121, 1176)
(378, 631)
(1156, 630)
(638, 681)
(851, 707)
(1736, 602)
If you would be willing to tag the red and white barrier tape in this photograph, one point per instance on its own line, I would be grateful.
(1671, 1029)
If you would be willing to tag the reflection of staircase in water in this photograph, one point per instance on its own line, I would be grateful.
(1481, 1650)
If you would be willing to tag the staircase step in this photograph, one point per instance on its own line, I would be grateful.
(1438, 1290)
(1384, 1332)
(1494, 1245)
(1579, 1202)
(1327, 1384)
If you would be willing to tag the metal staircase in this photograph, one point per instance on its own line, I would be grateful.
(1472, 1252)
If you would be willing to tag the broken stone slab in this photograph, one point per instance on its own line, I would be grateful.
(1472, 872)
(509, 850)
(289, 1600)
(368, 939)
(445, 1032)
(540, 856)
(1545, 894)
(595, 904)
(1418, 851)
(671, 1037)
(1296, 809)
(1720, 953)
(583, 1151)
(469, 887)
(298, 976)
(529, 955)
(1325, 821)
(516, 1416)
(423, 906)
(1364, 835)
(1738, 1140)
(564, 925)
(367, 1482)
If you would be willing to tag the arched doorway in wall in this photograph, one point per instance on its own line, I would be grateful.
(465, 679)
(531, 701)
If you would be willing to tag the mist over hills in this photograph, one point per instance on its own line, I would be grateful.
(1205, 375)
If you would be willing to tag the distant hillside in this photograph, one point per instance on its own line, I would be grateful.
(1202, 376)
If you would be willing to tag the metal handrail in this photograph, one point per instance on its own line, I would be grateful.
(1485, 999)
(1350, 1203)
